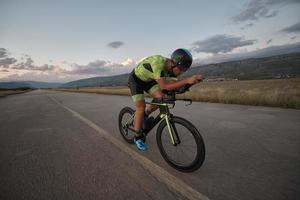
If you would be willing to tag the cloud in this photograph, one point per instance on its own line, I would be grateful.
(265, 52)
(273, 14)
(292, 29)
(29, 65)
(6, 61)
(76, 71)
(25, 68)
(4, 70)
(220, 44)
(269, 41)
(129, 62)
(26, 65)
(12, 63)
(257, 9)
(94, 67)
(247, 26)
(101, 67)
(115, 44)
(3, 53)
(294, 37)
(26, 55)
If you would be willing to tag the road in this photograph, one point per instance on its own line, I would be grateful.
(60, 145)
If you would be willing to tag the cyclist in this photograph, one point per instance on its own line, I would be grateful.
(151, 75)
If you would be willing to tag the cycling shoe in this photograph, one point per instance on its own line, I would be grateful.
(140, 144)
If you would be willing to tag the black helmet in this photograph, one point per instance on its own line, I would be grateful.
(182, 58)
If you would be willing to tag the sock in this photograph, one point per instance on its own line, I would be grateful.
(139, 135)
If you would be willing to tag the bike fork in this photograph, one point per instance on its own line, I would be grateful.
(172, 129)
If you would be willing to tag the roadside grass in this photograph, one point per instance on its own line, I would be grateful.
(116, 90)
(276, 92)
(6, 92)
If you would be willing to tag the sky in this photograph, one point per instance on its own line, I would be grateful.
(66, 40)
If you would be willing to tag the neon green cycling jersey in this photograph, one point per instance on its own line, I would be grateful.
(151, 68)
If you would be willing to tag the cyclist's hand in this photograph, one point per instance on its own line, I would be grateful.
(199, 78)
(194, 79)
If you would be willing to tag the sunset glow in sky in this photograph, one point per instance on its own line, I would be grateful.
(61, 41)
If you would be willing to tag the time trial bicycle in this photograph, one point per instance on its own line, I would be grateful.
(179, 141)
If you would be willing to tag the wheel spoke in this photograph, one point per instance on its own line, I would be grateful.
(130, 119)
(126, 117)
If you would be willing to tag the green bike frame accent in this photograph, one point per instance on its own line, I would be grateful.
(163, 115)
(170, 130)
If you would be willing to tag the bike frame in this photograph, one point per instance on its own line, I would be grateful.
(164, 114)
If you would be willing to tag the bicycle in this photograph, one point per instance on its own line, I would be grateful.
(171, 133)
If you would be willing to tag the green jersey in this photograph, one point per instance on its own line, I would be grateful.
(151, 68)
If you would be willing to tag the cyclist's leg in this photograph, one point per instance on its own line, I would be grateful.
(139, 138)
(137, 91)
(155, 92)
(139, 114)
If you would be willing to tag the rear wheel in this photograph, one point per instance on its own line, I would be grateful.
(189, 154)
(126, 117)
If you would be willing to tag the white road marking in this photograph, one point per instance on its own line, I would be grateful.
(162, 175)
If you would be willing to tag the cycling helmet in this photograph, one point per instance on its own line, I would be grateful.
(182, 58)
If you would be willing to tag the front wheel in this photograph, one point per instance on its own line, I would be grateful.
(189, 154)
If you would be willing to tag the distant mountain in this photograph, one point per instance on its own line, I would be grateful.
(29, 84)
(99, 81)
(280, 66)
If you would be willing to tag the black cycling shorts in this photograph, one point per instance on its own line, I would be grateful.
(137, 87)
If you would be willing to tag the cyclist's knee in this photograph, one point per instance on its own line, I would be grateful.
(157, 94)
(157, 97)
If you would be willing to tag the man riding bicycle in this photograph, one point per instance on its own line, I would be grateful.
(151, 75)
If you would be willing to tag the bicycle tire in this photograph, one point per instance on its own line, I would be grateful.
(200, 155)
(130, 111)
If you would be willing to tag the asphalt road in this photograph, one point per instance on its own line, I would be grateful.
(50, 150)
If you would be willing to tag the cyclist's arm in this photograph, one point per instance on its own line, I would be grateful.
(165, 85)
